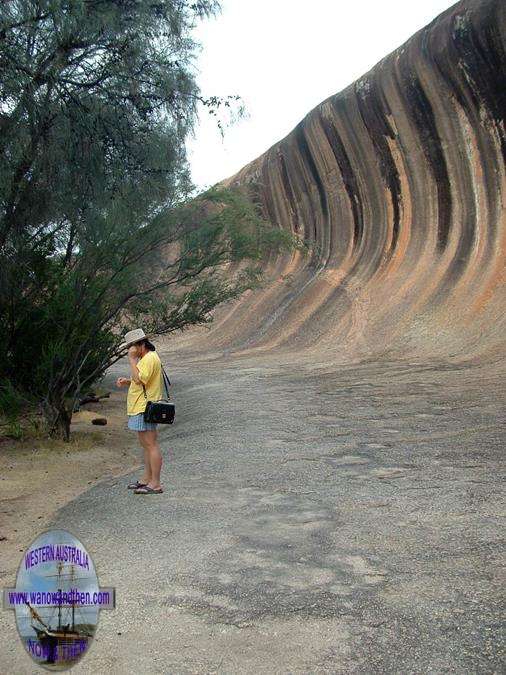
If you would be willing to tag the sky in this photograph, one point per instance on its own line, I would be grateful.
(283, 57)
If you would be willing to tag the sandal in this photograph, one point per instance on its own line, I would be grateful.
(137, 484)
(146, 490)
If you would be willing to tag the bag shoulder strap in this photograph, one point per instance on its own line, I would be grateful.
(166, 383)
(163, 371)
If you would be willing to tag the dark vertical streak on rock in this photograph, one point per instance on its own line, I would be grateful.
(374, 110)
(288, 191)
(449, 63)
(422, 116)
(307, 157)
(482, 59)
(348, 177)
(437, 61)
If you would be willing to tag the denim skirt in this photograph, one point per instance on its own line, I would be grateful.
(137, 423)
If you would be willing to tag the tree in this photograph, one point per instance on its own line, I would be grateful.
(100, 226)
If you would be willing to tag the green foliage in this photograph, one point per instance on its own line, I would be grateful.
(13, 430)
(96, 101)
(12, 405)
(11, 400)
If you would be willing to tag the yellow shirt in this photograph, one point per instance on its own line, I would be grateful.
(150, 372)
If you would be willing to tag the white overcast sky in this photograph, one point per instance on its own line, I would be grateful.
(283, 57)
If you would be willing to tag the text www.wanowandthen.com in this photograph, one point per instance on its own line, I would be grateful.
(71, 597)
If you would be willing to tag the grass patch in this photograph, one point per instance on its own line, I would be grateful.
(30, 430)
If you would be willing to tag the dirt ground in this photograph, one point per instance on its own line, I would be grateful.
(37, 476)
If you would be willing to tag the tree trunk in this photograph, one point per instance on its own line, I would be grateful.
(58, 420)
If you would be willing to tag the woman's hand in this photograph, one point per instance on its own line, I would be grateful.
(122, 382)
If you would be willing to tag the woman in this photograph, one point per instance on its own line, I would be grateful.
(145, 384)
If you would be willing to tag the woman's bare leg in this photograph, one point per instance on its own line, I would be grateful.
(155, 457)
(146, 476)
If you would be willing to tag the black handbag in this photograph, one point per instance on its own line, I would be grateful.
(162, 411)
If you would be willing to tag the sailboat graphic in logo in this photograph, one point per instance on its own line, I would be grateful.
(66, 639)
(57, 600)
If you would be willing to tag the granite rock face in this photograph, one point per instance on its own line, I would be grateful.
(399, 183)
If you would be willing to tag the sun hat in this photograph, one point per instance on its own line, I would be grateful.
(134, 336)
